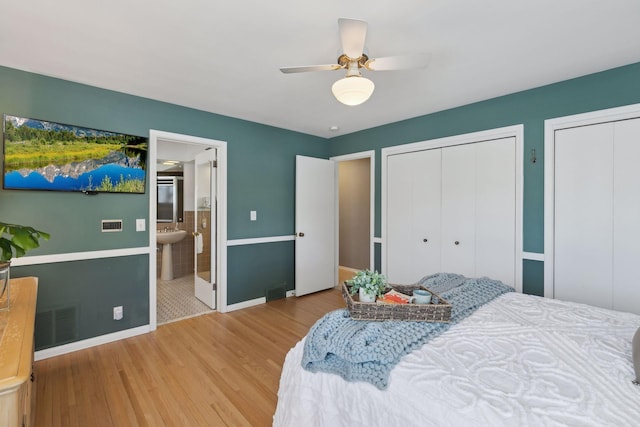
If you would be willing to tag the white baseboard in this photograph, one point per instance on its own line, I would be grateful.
(90, 342)
(246, 304)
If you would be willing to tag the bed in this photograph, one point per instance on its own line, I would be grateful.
(517, 360)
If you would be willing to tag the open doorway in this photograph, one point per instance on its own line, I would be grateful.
(356, 192)
(176, 155)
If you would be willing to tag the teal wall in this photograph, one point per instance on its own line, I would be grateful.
(533, 277)
(85, 292)
(612, 88)
(275, 261)
(261, 170)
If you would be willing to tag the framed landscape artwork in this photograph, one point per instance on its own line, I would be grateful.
(44, 155)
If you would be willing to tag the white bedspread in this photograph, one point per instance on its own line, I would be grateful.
(518, 361)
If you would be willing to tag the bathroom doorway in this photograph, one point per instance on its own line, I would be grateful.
(356, 192)
(173, 297)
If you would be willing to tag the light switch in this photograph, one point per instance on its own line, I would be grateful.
(253, 215)
(140, 224)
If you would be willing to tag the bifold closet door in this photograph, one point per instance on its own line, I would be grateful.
(583, 214)
(479, 209)
(495, 212)
(458, 209)
(413, 216)
(626, 216)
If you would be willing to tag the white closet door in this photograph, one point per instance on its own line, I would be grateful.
(413, 216)
(495, 210)
(626, 227)
(583, 205)
(458, 209)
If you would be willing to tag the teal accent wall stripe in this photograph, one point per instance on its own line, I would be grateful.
(76, 299)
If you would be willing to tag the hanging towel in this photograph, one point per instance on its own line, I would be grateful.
(199, 245)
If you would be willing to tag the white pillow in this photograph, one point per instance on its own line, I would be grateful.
(635, 353)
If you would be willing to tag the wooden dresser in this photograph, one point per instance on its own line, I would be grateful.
(17, 392)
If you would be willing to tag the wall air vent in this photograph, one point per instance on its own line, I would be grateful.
(59, 325)
(109, 225)
(276, 292)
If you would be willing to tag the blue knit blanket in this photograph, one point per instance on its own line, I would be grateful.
(367, 351)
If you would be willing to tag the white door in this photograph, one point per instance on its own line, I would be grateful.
(583, 217)
(458, 209)
(413, 216)
(453, 209)
(495, 210)
(479, 209)
(205, 228)
(626, 231)
(596, 211)
(316, 261)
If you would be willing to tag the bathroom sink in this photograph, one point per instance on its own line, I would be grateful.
(172, 236)
(166, 238)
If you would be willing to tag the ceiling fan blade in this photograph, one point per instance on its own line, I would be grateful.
(353, 34)
(409, 62)
(305, 68)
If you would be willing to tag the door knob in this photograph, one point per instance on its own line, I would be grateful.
(425, 240)
(456, 243)
(301, 234)
(195, 233)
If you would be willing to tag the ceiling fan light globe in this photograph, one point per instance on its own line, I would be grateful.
(353, 90)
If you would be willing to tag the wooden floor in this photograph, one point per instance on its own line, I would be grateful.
(212, 370)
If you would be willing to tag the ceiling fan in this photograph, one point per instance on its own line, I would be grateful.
(354, 89)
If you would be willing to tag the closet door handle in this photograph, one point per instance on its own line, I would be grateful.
(425, 240)
(456, 243)
(300, 234)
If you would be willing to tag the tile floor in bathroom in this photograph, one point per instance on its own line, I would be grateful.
(176, 300)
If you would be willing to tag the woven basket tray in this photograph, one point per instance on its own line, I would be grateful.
(439, 310)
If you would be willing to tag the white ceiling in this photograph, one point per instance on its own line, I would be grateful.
(224, 56)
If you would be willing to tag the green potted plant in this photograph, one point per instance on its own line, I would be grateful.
(15, 241)
(368, 284)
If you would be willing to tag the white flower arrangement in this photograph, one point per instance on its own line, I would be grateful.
(371, 282)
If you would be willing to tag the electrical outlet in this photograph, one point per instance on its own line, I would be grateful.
(118, 313)
(253, 215)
